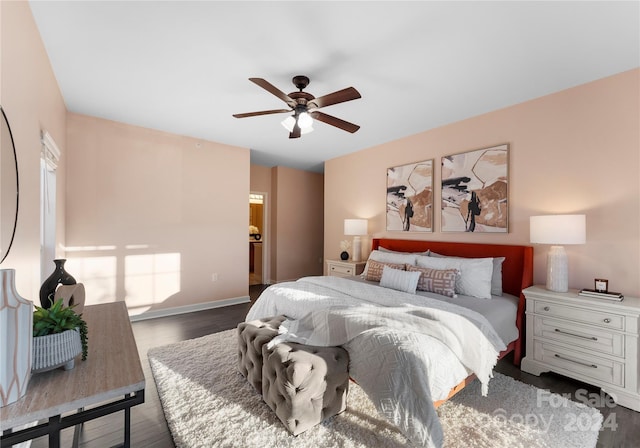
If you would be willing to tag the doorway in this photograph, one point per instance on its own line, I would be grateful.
(257, 238)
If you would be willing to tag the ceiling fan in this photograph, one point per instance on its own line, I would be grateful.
(305, 106)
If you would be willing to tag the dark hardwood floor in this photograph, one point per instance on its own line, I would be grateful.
(149, 429)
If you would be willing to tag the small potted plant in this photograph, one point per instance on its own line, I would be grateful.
(59, 335)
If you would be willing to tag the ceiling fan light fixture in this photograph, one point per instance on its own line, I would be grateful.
(288, 123)
(305, 121)
(300, 102)
(305, 124)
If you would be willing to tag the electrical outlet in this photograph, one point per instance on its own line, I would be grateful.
(214, 277)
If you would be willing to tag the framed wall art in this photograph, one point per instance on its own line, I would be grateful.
(474, 191)
(410, 197)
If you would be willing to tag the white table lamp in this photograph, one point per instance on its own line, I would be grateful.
(356, 228)
(557, 230)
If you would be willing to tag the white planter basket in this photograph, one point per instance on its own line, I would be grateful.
(56, 350)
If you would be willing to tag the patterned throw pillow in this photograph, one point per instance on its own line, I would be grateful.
(389, 257)
(434, 280)
(374, 273)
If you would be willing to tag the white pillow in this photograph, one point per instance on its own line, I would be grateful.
(475, 273)
(400, 280)
(496, 276)
(390, 257)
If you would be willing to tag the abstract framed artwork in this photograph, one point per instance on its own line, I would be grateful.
(474, 191)
(410, 197)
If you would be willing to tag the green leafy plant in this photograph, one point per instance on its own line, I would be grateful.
(57, 319)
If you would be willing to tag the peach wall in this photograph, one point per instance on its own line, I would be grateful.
(575, 151)
(298, 223)
(152, 216)
(30, 95)
(260, 178)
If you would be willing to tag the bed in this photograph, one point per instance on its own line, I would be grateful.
(517, 271)
(418, 353)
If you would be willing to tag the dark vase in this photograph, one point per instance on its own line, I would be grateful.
(344, 255)
(58, 277)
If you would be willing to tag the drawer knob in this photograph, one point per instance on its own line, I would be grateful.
(546, 308)
(607, 320)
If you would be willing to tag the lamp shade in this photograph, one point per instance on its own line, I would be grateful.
(557, 229)
(355, 226)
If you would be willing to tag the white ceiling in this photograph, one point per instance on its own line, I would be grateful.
(183, 67)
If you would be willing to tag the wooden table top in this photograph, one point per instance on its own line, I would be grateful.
(112, 369)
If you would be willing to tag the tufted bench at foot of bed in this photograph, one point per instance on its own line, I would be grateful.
(304, 385)
(251, 337)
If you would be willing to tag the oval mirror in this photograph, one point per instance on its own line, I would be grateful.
(8, 188)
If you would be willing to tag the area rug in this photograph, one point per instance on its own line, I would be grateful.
(207, 403)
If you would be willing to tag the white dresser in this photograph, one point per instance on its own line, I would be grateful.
(591, 340)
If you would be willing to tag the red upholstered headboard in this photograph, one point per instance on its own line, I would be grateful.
(517, 269)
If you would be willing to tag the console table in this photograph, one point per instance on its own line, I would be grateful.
(110, 380)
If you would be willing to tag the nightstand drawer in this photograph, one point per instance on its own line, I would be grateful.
(341, 270)
(602, 319)
(345, 268)
(582, 364)
(589, 337)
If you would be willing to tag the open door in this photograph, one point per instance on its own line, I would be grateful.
(257, 233)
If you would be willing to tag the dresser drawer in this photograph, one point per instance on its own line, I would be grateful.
(590, 337)
(602, 319)
(578, 363)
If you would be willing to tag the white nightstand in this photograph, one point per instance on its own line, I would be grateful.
(345, 268)
(591, 340)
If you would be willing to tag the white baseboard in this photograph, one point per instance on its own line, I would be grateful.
(189, 308)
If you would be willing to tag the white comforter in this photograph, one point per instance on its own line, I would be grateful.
(405, 351)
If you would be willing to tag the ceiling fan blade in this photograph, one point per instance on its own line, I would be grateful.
(296, 132)
(340, 96)
(262, 112)
(333, 121)
(266, 85)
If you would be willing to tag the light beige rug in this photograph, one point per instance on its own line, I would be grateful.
(207, 403)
